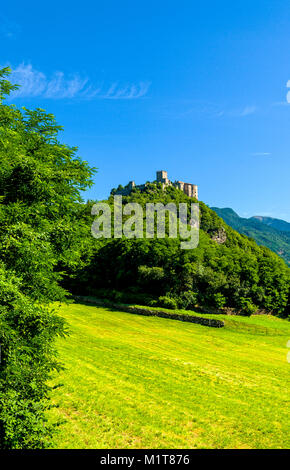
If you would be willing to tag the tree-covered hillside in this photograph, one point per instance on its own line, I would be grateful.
(264, 232)
(225, 270)
(278, 224)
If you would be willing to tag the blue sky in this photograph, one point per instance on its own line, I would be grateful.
(193, 87)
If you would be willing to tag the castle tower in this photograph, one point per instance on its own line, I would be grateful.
(161, 177)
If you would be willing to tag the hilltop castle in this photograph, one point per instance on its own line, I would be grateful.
(189, 189)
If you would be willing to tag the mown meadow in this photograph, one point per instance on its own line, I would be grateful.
(146, 382)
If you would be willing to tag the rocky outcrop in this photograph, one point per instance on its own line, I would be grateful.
(219, 235)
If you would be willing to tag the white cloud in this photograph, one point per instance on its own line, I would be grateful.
(35, 83)
(247, 110)
(127, 92)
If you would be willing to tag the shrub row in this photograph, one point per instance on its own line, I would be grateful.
(154, 313)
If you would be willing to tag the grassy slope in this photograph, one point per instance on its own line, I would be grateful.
(134, 382)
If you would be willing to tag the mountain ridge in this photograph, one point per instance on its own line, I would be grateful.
(278, 224)
(263, 232)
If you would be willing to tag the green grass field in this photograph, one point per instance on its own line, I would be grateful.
(146, 382)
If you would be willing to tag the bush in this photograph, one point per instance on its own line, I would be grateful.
(167, 302)
(247, 307)
(219, 300)
(187, 300)
(150, 274)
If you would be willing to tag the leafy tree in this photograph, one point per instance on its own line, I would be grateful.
(40, 233)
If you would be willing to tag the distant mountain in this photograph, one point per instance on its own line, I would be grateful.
(262, 229)
(278, 224)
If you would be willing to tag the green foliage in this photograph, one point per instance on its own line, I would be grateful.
(150, 274)
(219, 300)
(187, 300)
(27, 357)
(40, 233)
(5, 86)
(247, 306)
(167, 302)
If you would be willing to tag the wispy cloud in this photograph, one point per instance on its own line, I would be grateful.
(246, 111)
(261, 154)
(211, 110)
(242, 112)
(115, 92)
(34, 83)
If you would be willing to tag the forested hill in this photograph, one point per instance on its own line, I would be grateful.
(225, 270)
(262, 229)
(278, 224)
